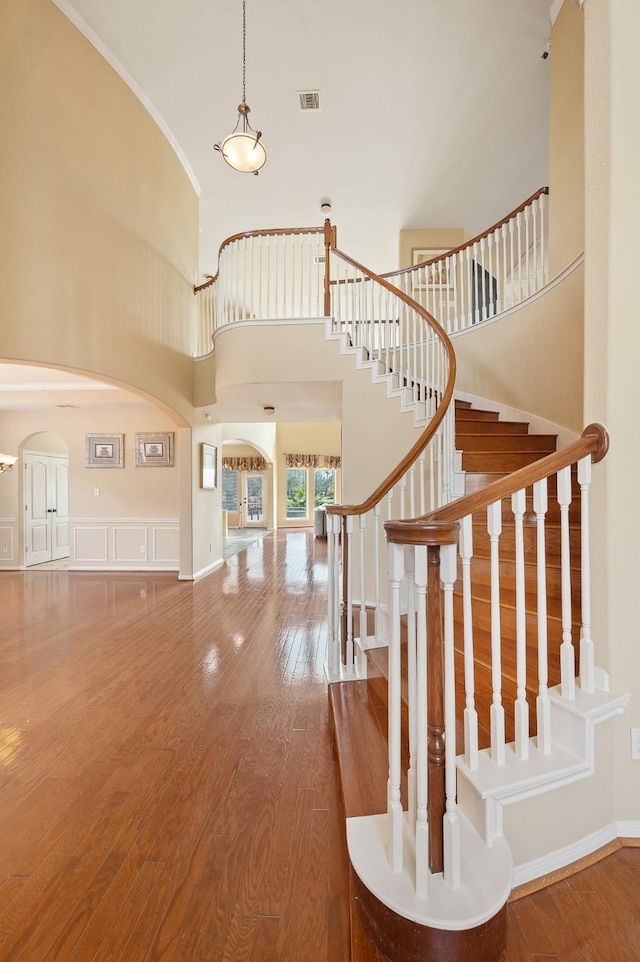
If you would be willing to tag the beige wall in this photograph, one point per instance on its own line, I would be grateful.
(375, 434)
(566, 139)
(530, 359)
(612, 349)
(132, 494)
(99, 232)
(430, 238)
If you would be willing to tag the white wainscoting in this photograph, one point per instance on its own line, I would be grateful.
(8, 541)
(129, 544)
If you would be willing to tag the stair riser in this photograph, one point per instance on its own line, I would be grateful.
(544, 443)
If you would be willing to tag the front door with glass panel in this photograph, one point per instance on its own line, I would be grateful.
(253, 507)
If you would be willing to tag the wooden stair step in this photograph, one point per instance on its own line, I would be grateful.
(473, 426)
(545, 443)
(475, 414)
(503, 461)
(359, 725)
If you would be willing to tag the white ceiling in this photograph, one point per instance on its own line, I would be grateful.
(434, 113)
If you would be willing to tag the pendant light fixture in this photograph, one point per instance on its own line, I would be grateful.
(242, 149)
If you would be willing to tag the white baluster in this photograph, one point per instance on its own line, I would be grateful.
(567, 652)
(494, 527)
(394, 804)
(421, 824)
(376, 562)
(587, 657)
(543, 705)
(409, 561)
(333, 651)
(470, 295)
(363, 607)
(422, 462)
(451, 823)
(470, 713)
(518, 505)
(505, 273)
(348, 601)
(526, 213)
(402, 484)
(543, 249)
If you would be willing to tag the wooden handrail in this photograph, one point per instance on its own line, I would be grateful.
(437, 527)
(414, 453)
(474, 240)
(270, 232)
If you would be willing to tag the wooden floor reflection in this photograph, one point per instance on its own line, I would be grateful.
(167, 782)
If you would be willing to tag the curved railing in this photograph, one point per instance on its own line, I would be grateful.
(264, 274)
(486, 275)
(401, 341)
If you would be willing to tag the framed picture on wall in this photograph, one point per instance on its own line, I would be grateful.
(208, 465)
(154, 450)
(104, 450)
(434, 276)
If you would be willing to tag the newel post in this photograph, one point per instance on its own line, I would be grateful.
(433, 535)
(329, 235)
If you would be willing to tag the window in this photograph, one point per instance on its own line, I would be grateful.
(229, 490)
(296, 493)
(324, 486)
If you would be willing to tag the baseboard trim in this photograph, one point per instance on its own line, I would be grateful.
(537, 874)
(202, 572)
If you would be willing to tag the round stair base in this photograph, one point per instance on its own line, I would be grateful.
(403, 940)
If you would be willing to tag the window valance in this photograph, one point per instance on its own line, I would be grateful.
(244, 464)
(313, 461)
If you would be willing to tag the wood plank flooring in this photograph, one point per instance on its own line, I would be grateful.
(168, 791)
(167, 784)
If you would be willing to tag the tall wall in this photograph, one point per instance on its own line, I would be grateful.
(99, 233)
(612, 347)
(99, 239)
(566, 139)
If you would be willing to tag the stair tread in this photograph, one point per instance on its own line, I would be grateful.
(359, 719)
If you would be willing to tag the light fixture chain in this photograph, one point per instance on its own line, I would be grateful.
(244, 51)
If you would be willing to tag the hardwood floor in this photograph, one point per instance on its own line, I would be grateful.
(168, 791)
(167, 785)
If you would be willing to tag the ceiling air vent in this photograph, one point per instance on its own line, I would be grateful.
(309, 100)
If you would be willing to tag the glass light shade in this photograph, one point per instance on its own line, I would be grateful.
(243, 151)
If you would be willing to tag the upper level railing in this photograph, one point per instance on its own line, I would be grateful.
(484, 276)
(283, 273)
(444, 719)
(262, 275)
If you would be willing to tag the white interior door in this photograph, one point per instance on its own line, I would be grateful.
(46, 496)
(59, 492)
(253, 513)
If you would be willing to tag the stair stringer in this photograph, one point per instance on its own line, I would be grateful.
(380, 375)
(483, 793)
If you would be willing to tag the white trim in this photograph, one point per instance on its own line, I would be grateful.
(628, 829)
(72, 14)
(556, 7)
(103, 521)
(537, 425)
(115, 568)
(202, 572)
(569, 269)
(569, 853)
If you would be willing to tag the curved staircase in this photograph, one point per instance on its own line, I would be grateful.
(490, 449)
